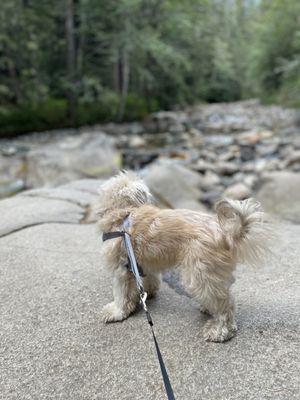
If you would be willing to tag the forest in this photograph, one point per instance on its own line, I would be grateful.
(76, 62)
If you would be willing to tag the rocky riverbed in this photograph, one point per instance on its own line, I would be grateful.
(189, 158)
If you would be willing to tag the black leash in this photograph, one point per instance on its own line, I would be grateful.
(143, 297)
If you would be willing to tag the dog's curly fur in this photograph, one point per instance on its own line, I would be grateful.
(205, 248)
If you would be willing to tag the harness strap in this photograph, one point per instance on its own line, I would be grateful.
(112, 235)
(133, 263)
(143, 297)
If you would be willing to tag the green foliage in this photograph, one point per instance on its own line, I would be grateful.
(275, 52)
(80, 62)
(30, 117)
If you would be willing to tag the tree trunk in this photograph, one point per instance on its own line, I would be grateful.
(71, 61)
(81, 28)
(124, 72)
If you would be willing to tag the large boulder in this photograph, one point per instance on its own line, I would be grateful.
(279, 193)
(174, 185)
(89, 155)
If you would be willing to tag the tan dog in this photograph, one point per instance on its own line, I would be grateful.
(203, 247)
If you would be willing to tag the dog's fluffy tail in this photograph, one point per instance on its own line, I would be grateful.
(245, 230)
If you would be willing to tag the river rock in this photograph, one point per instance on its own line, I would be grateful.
(247, 152)
(267, 149)
(231, 153)
(250, 180)
(209, 180)
(293, 158)
(210, 197)
(166, 121)
(279, 194)
(11, 187)
(238, 191)
(137, 142)
(88, 155)
(227, 168)
(219, 140)
(203, 166)
(13, 171)
(173, 185)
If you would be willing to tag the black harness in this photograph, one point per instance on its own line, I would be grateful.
(138, 273)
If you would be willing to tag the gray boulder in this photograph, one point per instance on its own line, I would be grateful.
(90, 155)
(238, 191)
(174, 185)
(279, 193)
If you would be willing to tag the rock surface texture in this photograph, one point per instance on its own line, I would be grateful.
(53, 344)
(174, 186)
(280, 194)
(54, 158)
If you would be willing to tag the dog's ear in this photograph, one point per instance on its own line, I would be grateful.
(114, 182)
(137, 193)
(142, 193)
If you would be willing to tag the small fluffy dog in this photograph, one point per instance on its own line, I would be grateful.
(205, 249)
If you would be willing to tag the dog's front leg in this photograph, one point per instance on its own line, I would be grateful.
(125, 294)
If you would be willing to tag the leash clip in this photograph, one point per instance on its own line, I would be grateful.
(143, 297)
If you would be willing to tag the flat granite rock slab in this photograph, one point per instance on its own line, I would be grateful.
(53, 344)
(20, 212)
(79, 197)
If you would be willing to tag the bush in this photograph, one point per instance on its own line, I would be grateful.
(53, 113)
(49, 114)
(138, 107)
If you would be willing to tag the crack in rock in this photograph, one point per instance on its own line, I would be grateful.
(36, 224)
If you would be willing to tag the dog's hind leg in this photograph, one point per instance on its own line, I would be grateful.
(211, 287)
(126, 297)
(222, 326)
(224, 291)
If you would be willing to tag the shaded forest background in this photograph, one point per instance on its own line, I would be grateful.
(74, 62)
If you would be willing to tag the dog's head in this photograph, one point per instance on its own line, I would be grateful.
(123, 191)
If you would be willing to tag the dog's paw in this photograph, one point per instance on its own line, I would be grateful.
(216, 332)
(112, 313)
